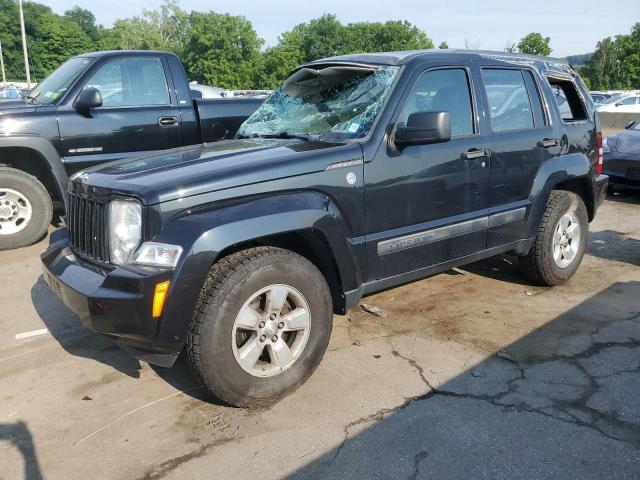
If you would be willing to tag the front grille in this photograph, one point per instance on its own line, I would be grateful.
(87, 223)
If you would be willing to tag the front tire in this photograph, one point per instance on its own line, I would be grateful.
(25, 209)
(261, 327)
(560, 242)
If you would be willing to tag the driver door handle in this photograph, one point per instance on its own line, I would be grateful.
(168, 121)
(475, 153)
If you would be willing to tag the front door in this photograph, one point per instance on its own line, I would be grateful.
(137, 115)
(426, 204)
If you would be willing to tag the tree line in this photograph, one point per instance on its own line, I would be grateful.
(225, 51)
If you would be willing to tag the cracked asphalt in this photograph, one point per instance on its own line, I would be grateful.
(474, 373)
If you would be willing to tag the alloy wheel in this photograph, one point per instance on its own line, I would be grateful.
(271, 330)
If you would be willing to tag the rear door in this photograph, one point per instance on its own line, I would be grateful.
(138, 114)
(427, 204)
(520, 139)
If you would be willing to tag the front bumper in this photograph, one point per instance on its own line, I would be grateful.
(116, 303)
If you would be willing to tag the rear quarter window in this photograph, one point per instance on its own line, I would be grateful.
(568, 100)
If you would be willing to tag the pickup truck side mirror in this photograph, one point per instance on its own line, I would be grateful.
(89, 98)
(424, 128)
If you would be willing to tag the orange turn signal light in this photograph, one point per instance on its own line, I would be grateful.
(159, 296)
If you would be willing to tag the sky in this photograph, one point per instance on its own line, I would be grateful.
(574, 26)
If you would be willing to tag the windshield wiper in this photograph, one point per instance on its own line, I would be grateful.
(299, 136)
(32, 98)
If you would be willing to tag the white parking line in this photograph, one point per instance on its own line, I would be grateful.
(32, 333)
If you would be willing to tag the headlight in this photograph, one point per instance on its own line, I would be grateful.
(605, 145)
(125, 229)
(157, 254)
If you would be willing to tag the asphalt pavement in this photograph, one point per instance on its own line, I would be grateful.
(474, 373)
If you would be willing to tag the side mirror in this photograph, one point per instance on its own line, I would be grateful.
(89, 98)
(424, 128)
(617, 104)
(630, 125)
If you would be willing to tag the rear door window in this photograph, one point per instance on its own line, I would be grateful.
(508, 97)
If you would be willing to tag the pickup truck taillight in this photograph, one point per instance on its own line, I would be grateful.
(599, 167)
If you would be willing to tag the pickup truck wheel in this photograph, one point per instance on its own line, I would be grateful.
(25, 209)
(561, 240)
(262, 325)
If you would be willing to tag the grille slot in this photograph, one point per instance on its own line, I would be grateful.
(87, 227)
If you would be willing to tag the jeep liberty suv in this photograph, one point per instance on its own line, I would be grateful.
(359, 173)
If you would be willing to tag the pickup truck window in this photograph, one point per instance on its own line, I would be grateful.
(331, 103)
(54, 86)
(131, 82)
(443, 91)
(509, 104)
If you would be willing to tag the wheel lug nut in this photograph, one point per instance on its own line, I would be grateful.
(281, 325)
(261, 325)
(273, 316)
(274, 338)
(263, 338)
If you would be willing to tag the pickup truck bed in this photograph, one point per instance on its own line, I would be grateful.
(221, 118)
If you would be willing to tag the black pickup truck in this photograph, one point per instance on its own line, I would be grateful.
(359, 173)
(96, 108)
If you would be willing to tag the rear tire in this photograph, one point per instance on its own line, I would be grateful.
(560, 242)
(250, 295)
(26, 209)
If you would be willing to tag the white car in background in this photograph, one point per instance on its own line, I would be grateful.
(623, 104)
(205, 91)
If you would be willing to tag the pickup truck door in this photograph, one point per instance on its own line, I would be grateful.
(427, 204)
(139, 113)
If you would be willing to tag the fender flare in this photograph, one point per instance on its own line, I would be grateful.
(45, 149)
(206, 234)
(550, 174)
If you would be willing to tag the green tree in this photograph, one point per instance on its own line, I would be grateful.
(51, 39)
(279, 61)
(384, 37)
(326, 36)
(535, 44)
(55, 40)
(86, 20)
(10, 38)
(443, 45)
(162, 29)
(615, 64)
(222, 50)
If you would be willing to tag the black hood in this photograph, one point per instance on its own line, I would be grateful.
(223, 165)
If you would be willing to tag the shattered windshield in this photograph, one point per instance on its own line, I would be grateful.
(331, 103)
